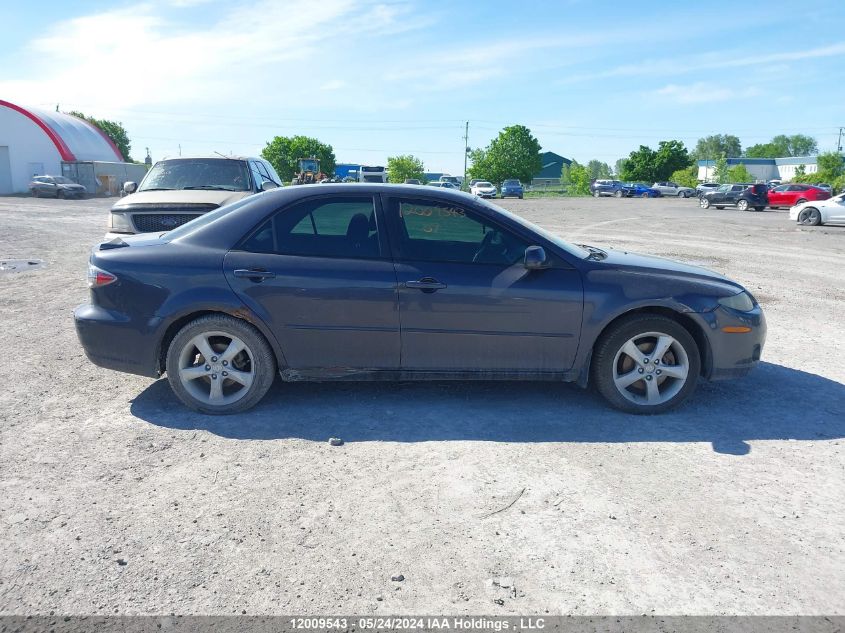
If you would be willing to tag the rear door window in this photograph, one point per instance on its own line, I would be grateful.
(344, 227)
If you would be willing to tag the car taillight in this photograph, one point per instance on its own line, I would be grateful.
(98, 277)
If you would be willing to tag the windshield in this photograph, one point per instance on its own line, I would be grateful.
(577, 251)
(61, 180)
(308, 165)
(198, 173)
(483, 184)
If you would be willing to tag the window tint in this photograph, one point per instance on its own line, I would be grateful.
(440, 232)
(336, 227)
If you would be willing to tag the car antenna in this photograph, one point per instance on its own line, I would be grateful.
(223, 155)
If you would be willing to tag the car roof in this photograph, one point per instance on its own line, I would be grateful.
(210, 156)
(257, 207)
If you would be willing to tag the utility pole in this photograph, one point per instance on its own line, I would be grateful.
(466, 153)
(839, 142)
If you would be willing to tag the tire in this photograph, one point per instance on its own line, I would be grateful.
(685, 194)
(613, 367)
(810, 217)
(704, 203)
(596, 194)
(619, 193)
(60, 194)
(193, 377)
(742, 205)
(520, 196)
(645, 194)
(34, 193)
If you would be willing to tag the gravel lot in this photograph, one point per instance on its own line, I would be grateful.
(115, 499)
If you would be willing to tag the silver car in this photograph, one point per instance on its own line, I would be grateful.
(673, 189)
(55, 187)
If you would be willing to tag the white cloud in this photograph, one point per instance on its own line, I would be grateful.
(143, 57)
(334, 84)
(710, 61)
(704, 92)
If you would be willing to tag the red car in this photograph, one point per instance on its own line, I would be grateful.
(790, 195)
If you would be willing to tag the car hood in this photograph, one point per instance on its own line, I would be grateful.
(656, 277)
(178, 197)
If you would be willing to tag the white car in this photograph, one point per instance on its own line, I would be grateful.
(819, 211)
(483, 189)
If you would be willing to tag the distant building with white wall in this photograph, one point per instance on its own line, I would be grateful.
(764, 169)
(35, 142)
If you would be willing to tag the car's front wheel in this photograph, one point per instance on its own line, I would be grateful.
(810, 217)
(596, 194)
(619, 193)
(646, 364)
(742, 205)
(218, 364)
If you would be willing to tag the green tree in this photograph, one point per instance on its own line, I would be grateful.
(831, 165)
(515, 153)
(566, 174)
(619, 167)
(740, 173)
(283, 151)
(400, 168)
(720, 171)
(640, 165)
(598, 169)
(710, 147)
(115, 131)
(670, 157)
(579, 179)
(685, 177)
(800, 172)
(783, 145)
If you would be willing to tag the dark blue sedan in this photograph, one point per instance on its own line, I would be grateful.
(640, 190)
(512, 189)
(365, 282)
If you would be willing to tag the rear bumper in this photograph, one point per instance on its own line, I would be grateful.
(112, 340)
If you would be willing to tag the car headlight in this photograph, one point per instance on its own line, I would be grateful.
(120, 223)
(742, 302)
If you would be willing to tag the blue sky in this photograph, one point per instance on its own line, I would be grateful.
(374, 79)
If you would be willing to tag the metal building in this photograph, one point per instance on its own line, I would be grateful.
(35, 142)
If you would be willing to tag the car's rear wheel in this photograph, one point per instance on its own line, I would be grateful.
(810, 217)
(742, 205)
(704, 203)
(218, 364)
(646, 364)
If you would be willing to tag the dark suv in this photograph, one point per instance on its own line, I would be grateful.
(608, 188)
(742, 196)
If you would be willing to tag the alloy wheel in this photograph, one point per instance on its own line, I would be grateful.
(216, 368)
(650, 368)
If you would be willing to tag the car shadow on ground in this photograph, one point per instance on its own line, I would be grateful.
(772, 403)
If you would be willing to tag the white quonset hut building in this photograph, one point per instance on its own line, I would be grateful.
(35, 142)
(762, 168)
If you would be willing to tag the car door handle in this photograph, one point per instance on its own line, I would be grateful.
(254, 275)
(426, 284)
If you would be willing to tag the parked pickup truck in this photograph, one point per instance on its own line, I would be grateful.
(673, 189)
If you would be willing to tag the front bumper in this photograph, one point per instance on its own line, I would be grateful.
(731, 355)
(114, 341)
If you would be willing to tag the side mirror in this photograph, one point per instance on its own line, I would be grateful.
(267, 185)
(130, 187)
(535, 258)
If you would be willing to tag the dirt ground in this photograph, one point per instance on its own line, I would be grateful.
(488, 498)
